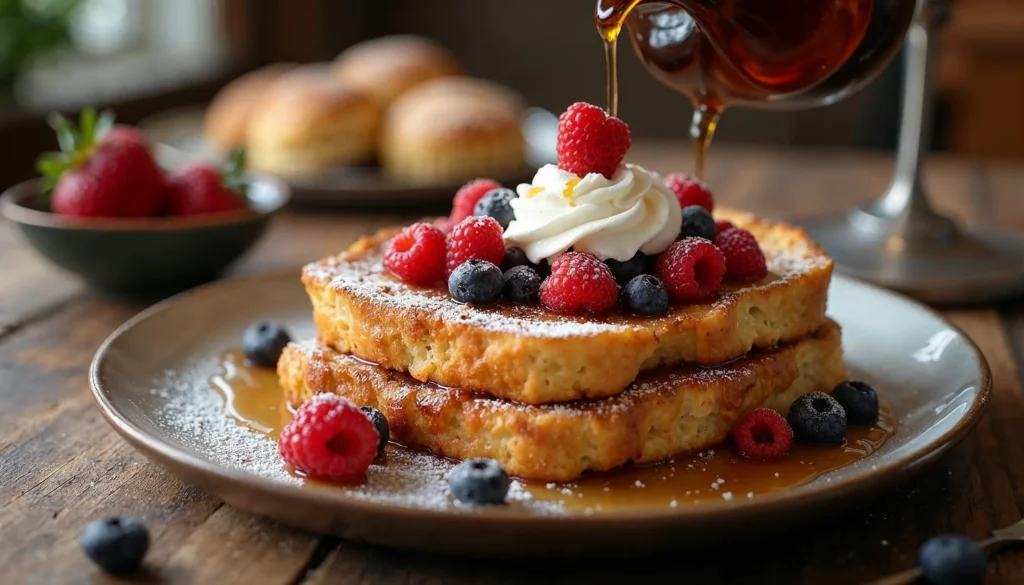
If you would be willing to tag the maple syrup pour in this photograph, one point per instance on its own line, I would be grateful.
(253, 397)
(777, 54)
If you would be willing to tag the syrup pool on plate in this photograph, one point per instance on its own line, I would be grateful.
(253, 397)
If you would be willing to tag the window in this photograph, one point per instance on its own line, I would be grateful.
(125, 48)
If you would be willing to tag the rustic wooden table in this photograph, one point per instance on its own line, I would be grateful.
(61, 465)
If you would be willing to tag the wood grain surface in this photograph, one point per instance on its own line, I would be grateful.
(61, 465)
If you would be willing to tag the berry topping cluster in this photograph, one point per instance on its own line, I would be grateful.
(815, 419)
(480, 270)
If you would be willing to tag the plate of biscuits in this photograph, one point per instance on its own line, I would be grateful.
(602, 362)
(391, 120)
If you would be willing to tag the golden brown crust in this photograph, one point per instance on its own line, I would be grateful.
(665, 412)
(534, 356)
(453, 129)
(389, 66)
(227, 118)
(310, 121)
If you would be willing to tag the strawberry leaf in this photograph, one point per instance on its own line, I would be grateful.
(104, 124)
(233, 172)
(52, 166)
(67, 138)
(87, 125)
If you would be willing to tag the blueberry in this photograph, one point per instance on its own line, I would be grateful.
(381, 422)
(952, 559)
(859, 400)
(497, 204)
(116, 544)
(522, 285)
(543, 268)
(514, 257)
(698, 223)
(478, 481)
(818, 419)
(476, 282)
(645, 295)
(263, 343)
(628, 270)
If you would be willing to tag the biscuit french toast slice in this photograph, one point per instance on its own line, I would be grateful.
(533, 355)
(664, 412)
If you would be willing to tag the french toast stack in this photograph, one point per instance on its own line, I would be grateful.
(551, 395)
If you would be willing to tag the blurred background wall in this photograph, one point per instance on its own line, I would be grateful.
(143, 56)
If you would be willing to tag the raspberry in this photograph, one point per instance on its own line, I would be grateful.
(445, 224)
(691, 269)
(690, 191)
(721, 226)
(417, 255)
(329, 438)
(475, 238)
(579, 281)
(468, 196)
(744, 259)
(763, 434)
(591, 141)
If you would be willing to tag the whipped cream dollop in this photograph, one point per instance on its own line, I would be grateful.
(610, 218)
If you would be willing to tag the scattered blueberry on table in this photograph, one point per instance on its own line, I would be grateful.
(952, 559)
(115, 544)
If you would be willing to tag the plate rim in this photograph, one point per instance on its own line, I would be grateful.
(152, 445)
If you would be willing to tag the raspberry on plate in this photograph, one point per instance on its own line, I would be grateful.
(579, 281)
(417, 254)
(690, 191)
(468, 196)
(763, 434)
(591, 141)
(691, 269)
(744, 259)
(475, 238)
(329, 438)
(721, 226)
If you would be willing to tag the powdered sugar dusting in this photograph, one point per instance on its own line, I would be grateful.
(363, 277)
(194, 414)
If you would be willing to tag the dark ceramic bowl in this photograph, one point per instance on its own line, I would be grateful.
(146, 254)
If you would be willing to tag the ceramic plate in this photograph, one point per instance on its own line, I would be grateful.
(151, 380)
(181, 131)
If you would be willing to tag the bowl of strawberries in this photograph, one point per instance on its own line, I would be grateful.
(105, 209)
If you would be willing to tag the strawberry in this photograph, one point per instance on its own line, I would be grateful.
(199, 189)
(102, 170)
